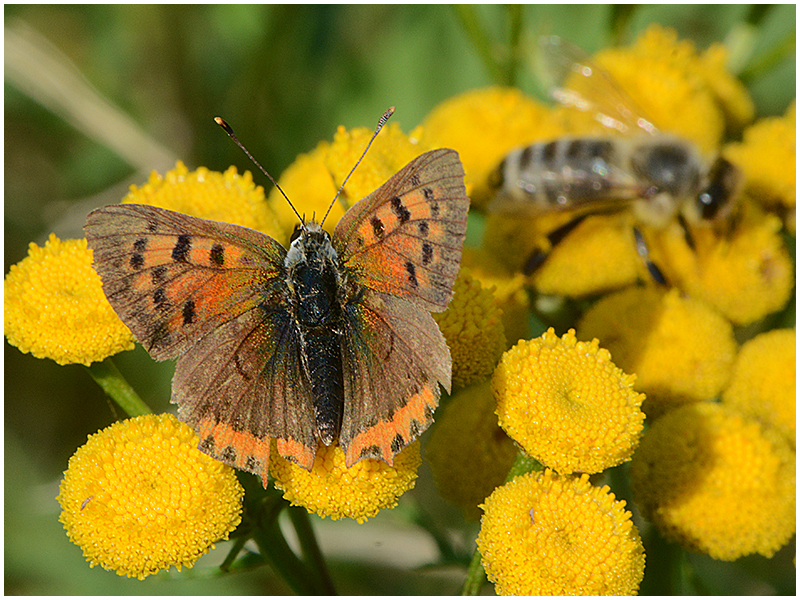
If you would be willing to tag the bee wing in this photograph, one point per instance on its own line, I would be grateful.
(573, 80)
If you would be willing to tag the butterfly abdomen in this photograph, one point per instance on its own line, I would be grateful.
(313, 281)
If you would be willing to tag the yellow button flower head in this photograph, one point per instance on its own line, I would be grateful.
(483, 126)
(716, 482)
(473, 329)
(332, 490)
(543, 534)
(573, 268)
(764, 382)
(746, 274)
(767, 157)
(567, 404)
(312, 180)
(227, 197)
(55, 307)
(680, 348)
(468, 453)
(139, 497)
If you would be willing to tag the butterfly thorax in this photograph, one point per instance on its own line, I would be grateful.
(315, 279)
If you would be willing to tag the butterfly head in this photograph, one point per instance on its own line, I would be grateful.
(311, 244)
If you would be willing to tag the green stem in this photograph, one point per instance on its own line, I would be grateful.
(272, 546)
(515, 18)
(114, 384)
(469, 21)
(475, 576)
(310, 548)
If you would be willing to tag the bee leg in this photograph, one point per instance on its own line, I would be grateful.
(537, 257)
(687, 232)
(641, 249)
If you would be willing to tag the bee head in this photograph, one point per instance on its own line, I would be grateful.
(716, 198)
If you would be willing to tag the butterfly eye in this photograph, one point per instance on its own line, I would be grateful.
(296, 233)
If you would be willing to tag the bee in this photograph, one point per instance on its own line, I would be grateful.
(660, 176)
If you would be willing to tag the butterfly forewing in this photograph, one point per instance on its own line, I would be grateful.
(173, 278)
(405, 238)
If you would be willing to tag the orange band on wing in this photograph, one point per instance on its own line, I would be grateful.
(239, 449)
(296, 452)
(404, 426)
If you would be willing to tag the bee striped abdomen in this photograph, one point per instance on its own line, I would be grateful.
(557, 175)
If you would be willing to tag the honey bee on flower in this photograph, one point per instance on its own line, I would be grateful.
(660, 176)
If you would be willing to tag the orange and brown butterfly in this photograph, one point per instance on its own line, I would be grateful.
(329, 341)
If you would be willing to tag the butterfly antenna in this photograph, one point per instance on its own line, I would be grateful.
(221, 122)
(381, 123)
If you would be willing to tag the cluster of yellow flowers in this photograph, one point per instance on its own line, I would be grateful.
(715, 477)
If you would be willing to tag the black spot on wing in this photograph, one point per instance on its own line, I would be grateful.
(137, 261)
(411, 269)
(228, 454)
(397, 443)
(400, 210)
(189, 313)
(369, 451)
(157, 275)
(160, 334)
(207, 444)
(423, 228)
(415, 181)
(160, 299)
(427, 254)
(377, 227)
(428, 193)
(180, 252)
(217, 255)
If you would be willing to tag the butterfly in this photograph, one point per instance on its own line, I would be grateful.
(329, 341)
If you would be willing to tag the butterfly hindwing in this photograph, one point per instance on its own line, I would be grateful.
(173, 278)
(395, 357)
(243, 384)
(405, 238)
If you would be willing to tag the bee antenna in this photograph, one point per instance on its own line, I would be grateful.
(381, 122)
(221, 122)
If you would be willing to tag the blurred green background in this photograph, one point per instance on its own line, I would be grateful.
(97, 96)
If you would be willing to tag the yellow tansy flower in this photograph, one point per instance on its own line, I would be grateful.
(731, 94)
(311, 182)
(567, 404)
(139, 497)
(483, 125)
(227, 197)
(468, 453)
(332, 490)
(716, 482)
(767, 157)
(473, 329)
(55, 307)
(680, 348)
(745, 274)
(764, 382)
(598, 256)
(543, 534)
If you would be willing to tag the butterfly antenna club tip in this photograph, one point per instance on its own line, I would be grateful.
(381, 122)
(229, 130)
